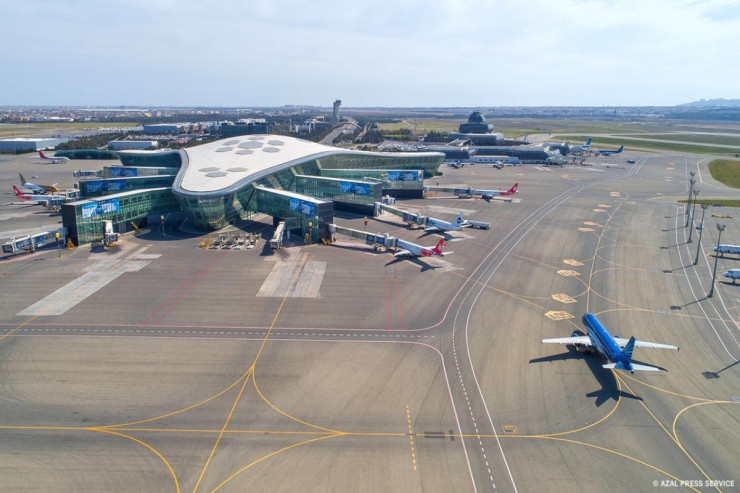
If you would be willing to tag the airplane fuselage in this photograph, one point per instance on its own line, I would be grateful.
(603, 340)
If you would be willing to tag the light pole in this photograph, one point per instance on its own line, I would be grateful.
(692, 216)
(720, 227)
(704, 208)
(691, 190)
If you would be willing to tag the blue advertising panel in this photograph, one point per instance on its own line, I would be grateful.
(94, 186)
(354, 188)
(403, 176)
(99, 208)
(119, 171)
(305, 208)
(115, 186)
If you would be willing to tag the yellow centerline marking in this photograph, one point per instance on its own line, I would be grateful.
(411, 436)
(174, 476)
(672, 436)
(251, 370)
(271, 455)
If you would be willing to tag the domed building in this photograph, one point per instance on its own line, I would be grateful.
(476, 125)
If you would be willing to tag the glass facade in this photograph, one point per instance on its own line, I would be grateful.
(119, 171)
(314, 214)
(349, 195)
(84, 219)
(427, 162)
(96, 188)
(209, 213)
(395, 182)
(87, 154)
(165, 158)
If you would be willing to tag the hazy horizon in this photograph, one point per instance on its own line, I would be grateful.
(409, 54)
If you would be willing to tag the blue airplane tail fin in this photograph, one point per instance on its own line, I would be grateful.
(620, 149)
(628, 349)
(588, 142)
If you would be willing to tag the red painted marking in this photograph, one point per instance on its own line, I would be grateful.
(190, 288)
(200, 272)
(387, 303)
(398, 298)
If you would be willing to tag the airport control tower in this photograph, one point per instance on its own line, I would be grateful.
(335, 111)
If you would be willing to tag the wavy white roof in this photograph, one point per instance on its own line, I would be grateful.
(221, 164)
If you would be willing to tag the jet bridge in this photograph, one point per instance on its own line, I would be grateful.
(374, 239)
(407, 217)
(462, 191)
(30, 243)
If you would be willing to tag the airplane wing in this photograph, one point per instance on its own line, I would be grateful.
(580, 340)
(401, 253)
(431, 228)
(623, 342)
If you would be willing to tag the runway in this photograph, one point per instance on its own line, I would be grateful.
(340, 368)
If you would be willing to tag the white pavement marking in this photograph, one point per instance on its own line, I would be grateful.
(279, 281)
(66, 297)
(149, 256)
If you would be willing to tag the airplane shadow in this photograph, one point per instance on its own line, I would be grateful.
(424, 266)
(441, 234)
(605, 378)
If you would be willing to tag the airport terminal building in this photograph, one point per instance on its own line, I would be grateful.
(222, 182)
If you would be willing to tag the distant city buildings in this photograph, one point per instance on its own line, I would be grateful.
(245, 127)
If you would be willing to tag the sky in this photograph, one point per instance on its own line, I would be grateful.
(400, 53)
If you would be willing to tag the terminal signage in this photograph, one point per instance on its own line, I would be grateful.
(301, 206)
(99, 208)
(354, 188)
(403, 176)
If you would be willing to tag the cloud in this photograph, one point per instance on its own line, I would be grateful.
(405, 53)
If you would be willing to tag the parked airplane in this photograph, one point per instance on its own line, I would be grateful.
(439, 225)
(722, 249)
(54, 159)
(414, 250)
(608, 152)
(38, 188)
(489, 194)
(42, 199)
(614, 349)
(580, 148)
(732, 274)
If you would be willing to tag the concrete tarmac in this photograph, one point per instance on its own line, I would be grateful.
(164, 368)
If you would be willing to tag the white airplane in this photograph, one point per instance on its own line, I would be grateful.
(439, 225)
(732, 274)
(722, 249)
(616, 350)
(41, 199)
(489, 194)
(54, 159)
(414, 250)
(580, 148)
(38, 188)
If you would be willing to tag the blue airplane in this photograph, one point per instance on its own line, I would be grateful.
(607, 152)
(616, 350)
